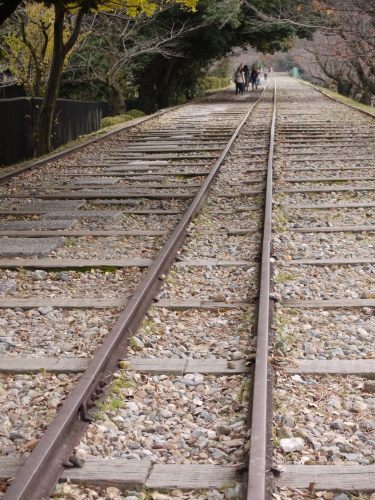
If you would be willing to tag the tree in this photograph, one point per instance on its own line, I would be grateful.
(63, 45)
(112, 41)
(344, 48)
(27, 44)
(344, 43)
(228, 25)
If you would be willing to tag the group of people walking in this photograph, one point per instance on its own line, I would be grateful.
(243, 77)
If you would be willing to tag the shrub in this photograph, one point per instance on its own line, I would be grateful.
(109, 121)
(135, 113)
(213, 82)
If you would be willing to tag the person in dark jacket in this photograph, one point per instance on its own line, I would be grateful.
(253, 78)
(246, 73)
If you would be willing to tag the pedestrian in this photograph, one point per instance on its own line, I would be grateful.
(246, 73)
(239, 79)
(254, 76)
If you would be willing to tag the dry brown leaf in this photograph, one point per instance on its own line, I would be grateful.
(30, 445)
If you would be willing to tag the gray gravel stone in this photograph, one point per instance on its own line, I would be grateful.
(7, 286)
(132, 406)
(39, 275)
(215, 495)
(45, 310)
(368, 425)
(224, 429)
(219, 297)
(369, 386)
(308, 348)
(217, 454)
(235, 492)
(337, 424)
(291, 444)
(341, 496)
(352, 457)
(201, 442)
(134, 446)
(288, 421)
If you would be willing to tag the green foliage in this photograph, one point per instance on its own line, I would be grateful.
(213, 82)
(109, 121)
(221, 70)
(28, 57)
(135, 113)
(225, 25)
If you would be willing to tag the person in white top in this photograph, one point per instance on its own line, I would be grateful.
(239, 79)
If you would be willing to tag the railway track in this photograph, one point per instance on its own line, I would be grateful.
(99, 229)
(150, 250)
(323, 288)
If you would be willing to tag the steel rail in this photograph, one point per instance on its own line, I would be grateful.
(47, 462)
(260, 425)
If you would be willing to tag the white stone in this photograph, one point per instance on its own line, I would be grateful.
(130, 405)
(292, 444)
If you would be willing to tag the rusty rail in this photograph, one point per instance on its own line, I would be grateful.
(46, 463)
(260, 425)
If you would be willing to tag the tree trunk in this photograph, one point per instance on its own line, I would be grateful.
(116, 100)
(38, 79)
(366, 97)
(60, 51)
(343, 87)
(154, 84)
(44, 127)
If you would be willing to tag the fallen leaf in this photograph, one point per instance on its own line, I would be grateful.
(124, 364)
(30, 445)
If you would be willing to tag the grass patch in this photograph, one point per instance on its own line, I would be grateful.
(275, 438)
(282, 277)
(244, 392)
(117, 395)
(282, 334)
(279, 229)
(347, 100)
(344, 99)
(69, 243)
